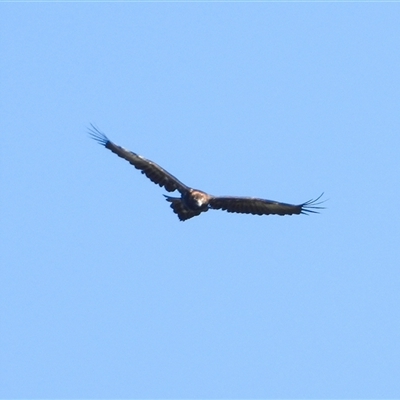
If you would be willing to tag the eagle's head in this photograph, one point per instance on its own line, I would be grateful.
(196, 199)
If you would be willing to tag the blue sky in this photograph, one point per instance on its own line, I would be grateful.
(105, 293)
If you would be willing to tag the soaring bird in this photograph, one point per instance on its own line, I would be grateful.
(193, 202)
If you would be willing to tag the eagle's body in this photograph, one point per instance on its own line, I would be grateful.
(193, 202)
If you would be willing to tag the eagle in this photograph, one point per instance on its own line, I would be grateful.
(193, 202)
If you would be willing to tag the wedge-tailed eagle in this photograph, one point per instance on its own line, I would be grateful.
(193, 202)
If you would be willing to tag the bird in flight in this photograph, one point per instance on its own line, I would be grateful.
(193, 202)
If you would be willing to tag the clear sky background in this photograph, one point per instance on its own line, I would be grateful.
(105, 293)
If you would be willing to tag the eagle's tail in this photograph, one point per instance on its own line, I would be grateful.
(180, 209)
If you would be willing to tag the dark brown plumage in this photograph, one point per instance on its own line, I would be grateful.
(193, 202)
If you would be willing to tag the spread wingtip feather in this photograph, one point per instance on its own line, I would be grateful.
(313, 205)
(97, 135)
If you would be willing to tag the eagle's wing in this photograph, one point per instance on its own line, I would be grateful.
(153, 171)
(251, 205)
